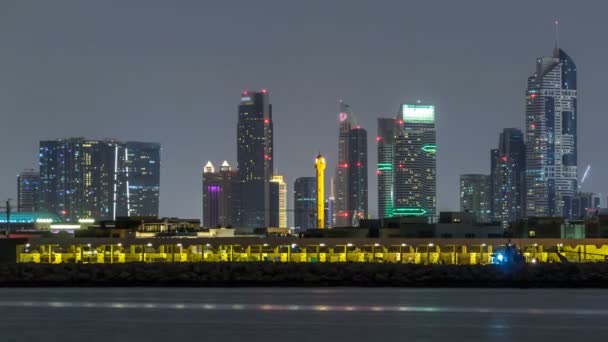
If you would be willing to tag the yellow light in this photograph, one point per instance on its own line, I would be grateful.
(320, 167)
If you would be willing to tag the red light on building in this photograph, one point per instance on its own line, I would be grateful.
(63, 212)
(266, 121)
(378, 172)
(358, 164)
(245, 92)
(401, 166)
(533, 126)
(344, 166)
(266, 157)
(504, 158)
(378, 138)
(264, 91)
(400, 122)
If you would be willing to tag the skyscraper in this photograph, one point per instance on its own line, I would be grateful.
(142, 174)
(255, 157)
(385, 140)
(82, 178)
(475, 196)
(278, 205)
(357, 175)
(305, 202)
(551, 137)
(220, 195)
(508, 177)
(414, 165)
(350, 182)
(28, 190)
(346, 121)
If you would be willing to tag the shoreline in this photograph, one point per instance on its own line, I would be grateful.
(306, 275)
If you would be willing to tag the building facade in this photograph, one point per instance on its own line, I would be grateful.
(414, 164)
(305, 203)
(220, 196)
(551, 136)
(509, 177)
(350, 181)
(475, 196)
(385, 140)
(93, 179)
(278, 212)
(28, 191)
(255, 157)
(357, 175)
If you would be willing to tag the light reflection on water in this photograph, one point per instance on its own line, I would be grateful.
(293, 307)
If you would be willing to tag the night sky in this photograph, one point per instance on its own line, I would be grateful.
(172, 72)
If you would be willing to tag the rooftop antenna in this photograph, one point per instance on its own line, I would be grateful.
(556, 49)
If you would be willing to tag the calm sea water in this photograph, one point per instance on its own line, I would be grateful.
(287, 314)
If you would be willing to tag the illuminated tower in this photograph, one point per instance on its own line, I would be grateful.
(414, 166)
(278, 202)
(320, 167)
(255, 157)
(475, 196)
(350, 181)
(509, 177)
(28, 190)
(305, 198)
(220, 195)
(551, 136)
(385, 140)
(345, 121)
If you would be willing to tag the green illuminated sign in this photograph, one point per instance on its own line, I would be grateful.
(429, 148)
(409, 212)
(385, 167)
(418, 113)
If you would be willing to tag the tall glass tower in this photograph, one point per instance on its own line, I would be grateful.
(385, 140)
(551, 136)
(350, 181)
(508, 177)
(414, 165)
(28, 191)
(99, 179)
(255, 157)
(305, 202)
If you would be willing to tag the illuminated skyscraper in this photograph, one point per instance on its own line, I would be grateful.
(142, 174)
(508, 177)
(278, 205)
(255, 157)
(475, 196)
(305, 202)
(82, 178)
(414, 166)
(350, 181)
(551, 136)
(28, 191)
(357, 175)
(385, 140)
(220, 196)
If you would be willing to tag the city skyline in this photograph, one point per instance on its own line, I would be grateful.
(292, 119)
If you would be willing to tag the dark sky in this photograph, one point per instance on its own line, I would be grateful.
(172, 72)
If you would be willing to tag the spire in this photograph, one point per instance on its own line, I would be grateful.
(556, 48)
(209, 168)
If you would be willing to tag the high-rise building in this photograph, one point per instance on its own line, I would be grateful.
(255, 157)
(82, 178)
(357, 175)
(475, 196)
(551, 136)
(28, 191)
(142, 174)
(220, 195)
(278, 205)
(305, 202)
(346, 121)
(350, 182)
(385, 140)
(414, 165)
(508, 177)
